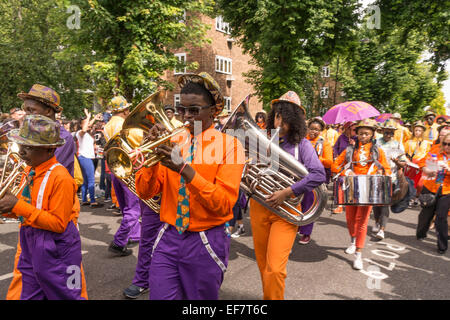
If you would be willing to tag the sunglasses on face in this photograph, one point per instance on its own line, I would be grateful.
(429, 118)
(194, 110)
(389, 134)
(445, 144)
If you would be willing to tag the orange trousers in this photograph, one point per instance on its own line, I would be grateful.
(113, 196)
(357, 220)
(273, 238)
(15, 287)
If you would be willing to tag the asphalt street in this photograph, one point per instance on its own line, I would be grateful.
(399, 267)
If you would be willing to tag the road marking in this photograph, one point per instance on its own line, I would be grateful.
(6, 276)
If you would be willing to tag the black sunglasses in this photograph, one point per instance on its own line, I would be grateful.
(446, 144)
(389, 134)
(194, 110)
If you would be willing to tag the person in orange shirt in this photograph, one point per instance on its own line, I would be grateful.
(199, 185)
(325, 153)
(50, 260)
(365, 158)
(261, 119)
(438, 183)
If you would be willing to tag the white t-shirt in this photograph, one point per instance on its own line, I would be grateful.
(86, 145)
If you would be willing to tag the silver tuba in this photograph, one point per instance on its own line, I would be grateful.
(269, 168)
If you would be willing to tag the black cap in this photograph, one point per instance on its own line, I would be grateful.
(169, 107)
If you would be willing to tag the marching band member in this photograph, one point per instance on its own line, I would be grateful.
(273, 237)
(325, 154)
(47, 208)
(431, 133)
(198, 193)
(364, 158)
(438, 183)
(41, 100)
(417, 147)
(402, 134)
(348, 137)
(330, 135)
(260, 119)
(395, 155)
(130, 229)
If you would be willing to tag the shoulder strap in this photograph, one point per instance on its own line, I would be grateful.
(43, 185)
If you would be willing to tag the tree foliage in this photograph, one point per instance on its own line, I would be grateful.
(289, 40)
(134, 42)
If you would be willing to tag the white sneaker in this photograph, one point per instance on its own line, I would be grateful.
(376, 228)
(380, 234)
(358, 264)
(351, 249)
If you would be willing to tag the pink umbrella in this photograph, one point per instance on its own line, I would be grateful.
(350, 111)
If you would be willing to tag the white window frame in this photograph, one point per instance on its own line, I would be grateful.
(176, 100)
(324, 92)
(222, 26)
(180, 57)
(325, 72)
(227, 104)
(224, 65)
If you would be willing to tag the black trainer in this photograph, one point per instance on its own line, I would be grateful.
(134, 291)
(120, 251)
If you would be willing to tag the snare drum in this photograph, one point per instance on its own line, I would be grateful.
(412, 170)
(363, 190)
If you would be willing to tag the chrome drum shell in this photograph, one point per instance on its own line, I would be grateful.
(363, 190)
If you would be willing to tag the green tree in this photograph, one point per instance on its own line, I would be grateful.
(134, 42)
(289, 40)
(32, 38)
(385, 72)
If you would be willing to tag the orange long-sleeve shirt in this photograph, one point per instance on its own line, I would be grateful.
(60, 204)
(326, 156)
(218, 162)
(431, 184)
(358, 168)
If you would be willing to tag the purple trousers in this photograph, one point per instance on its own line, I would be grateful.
(183, 269)
(50, 264)
(130, 228)
(308, 200)
(149, 230)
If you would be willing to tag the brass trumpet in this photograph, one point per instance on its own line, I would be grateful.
(123, 160)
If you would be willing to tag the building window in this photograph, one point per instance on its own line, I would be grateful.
(223, 65)
(326, 72)
(181, 58)
(324, 92)
(222, 26)
(176, 100)
(227, 103)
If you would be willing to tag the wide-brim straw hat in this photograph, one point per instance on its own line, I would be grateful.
(429, 113)
(209, 83)
(367, 123)
(388, 124)
(119, 104)
(290, 97)
(419, 124)
(43, 94)
(37, 131)
(319, 120)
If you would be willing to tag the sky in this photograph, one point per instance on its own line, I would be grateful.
(446, 85)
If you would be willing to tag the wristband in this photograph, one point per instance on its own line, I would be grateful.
(184, 165)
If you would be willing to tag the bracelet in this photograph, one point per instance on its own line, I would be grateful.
(184, 165)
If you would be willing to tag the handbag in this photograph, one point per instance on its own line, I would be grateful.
(428, 200)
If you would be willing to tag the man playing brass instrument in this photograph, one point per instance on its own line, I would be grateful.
(191, 252)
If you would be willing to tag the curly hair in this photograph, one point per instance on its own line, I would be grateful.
(292, 116)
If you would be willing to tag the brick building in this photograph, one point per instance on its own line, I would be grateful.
(223, 60)
(326, 91)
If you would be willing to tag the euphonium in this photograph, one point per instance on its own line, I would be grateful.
(119, 142)
(124, 162)
(268, 169)
(12, 169)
